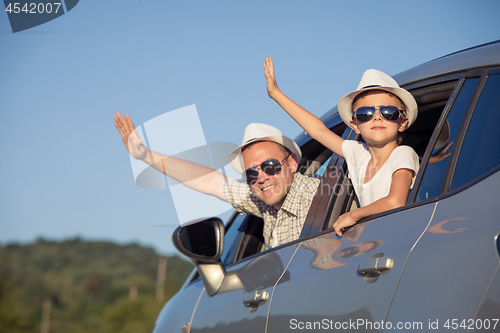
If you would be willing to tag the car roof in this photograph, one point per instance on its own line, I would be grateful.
(478, 56)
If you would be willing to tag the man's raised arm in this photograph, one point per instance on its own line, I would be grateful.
(195, 176)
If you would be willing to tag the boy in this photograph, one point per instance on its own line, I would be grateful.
(382, 172)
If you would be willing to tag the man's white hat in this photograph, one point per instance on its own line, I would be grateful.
(261, 132)
(373, 79)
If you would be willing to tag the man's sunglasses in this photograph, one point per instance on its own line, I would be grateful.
(270, 167)
(388, 112)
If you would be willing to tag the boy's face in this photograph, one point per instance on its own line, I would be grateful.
(378, 131)
(272, 190)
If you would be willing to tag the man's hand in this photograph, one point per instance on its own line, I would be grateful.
(345, 220)
(272, 86)
(195, 176)
(130, 138)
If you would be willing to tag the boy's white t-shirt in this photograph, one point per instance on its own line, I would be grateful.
(357, 156)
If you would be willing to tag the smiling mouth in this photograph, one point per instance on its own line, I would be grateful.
(268, 188)
(378, 128)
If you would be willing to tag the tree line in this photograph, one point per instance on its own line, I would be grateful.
(82, 286)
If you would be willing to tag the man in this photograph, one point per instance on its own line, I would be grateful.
(271, 189)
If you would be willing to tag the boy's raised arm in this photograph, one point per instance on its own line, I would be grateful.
(192, 175)
(309, 122)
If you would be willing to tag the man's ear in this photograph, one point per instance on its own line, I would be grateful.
(293, 162)
(354, 126)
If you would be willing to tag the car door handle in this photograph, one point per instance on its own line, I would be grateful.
(375, 266)
(256, 298)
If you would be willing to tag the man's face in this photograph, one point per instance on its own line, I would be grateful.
(272, 190)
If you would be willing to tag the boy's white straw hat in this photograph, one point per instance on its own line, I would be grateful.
(373, 79)
(261, 132)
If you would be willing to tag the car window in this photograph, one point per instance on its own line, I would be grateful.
(432, 179)
(480, 151)
(322, 169)
(432, 99)
(244, 238)
(319, 209)
(231, 238)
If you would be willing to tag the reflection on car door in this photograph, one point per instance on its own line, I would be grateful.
(324, 287)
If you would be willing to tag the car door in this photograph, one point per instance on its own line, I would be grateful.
(451, 279)
(325, 290)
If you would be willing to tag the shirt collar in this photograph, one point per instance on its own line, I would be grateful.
(290, 204)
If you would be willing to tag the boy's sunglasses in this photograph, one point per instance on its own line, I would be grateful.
(388, 112)
(270, 167)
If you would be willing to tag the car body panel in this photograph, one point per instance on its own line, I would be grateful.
(324, 281)
(454, 262)
(489, 308)
(177, 314)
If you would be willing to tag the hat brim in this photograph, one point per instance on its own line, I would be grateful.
(236, 160)
(345, 103)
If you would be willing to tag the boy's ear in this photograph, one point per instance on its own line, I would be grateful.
(404, 122)
(354, 126)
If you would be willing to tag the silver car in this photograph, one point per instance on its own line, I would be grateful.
(431, 265)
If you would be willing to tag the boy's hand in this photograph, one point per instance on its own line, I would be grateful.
(272, 86)
(345, 220)
(130, 138)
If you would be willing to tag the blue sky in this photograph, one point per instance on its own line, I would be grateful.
(65, 171)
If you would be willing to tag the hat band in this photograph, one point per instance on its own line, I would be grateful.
(372, 86)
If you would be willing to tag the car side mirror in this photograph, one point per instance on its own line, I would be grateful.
(202, 241)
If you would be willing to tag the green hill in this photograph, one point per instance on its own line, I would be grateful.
(86, 286)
